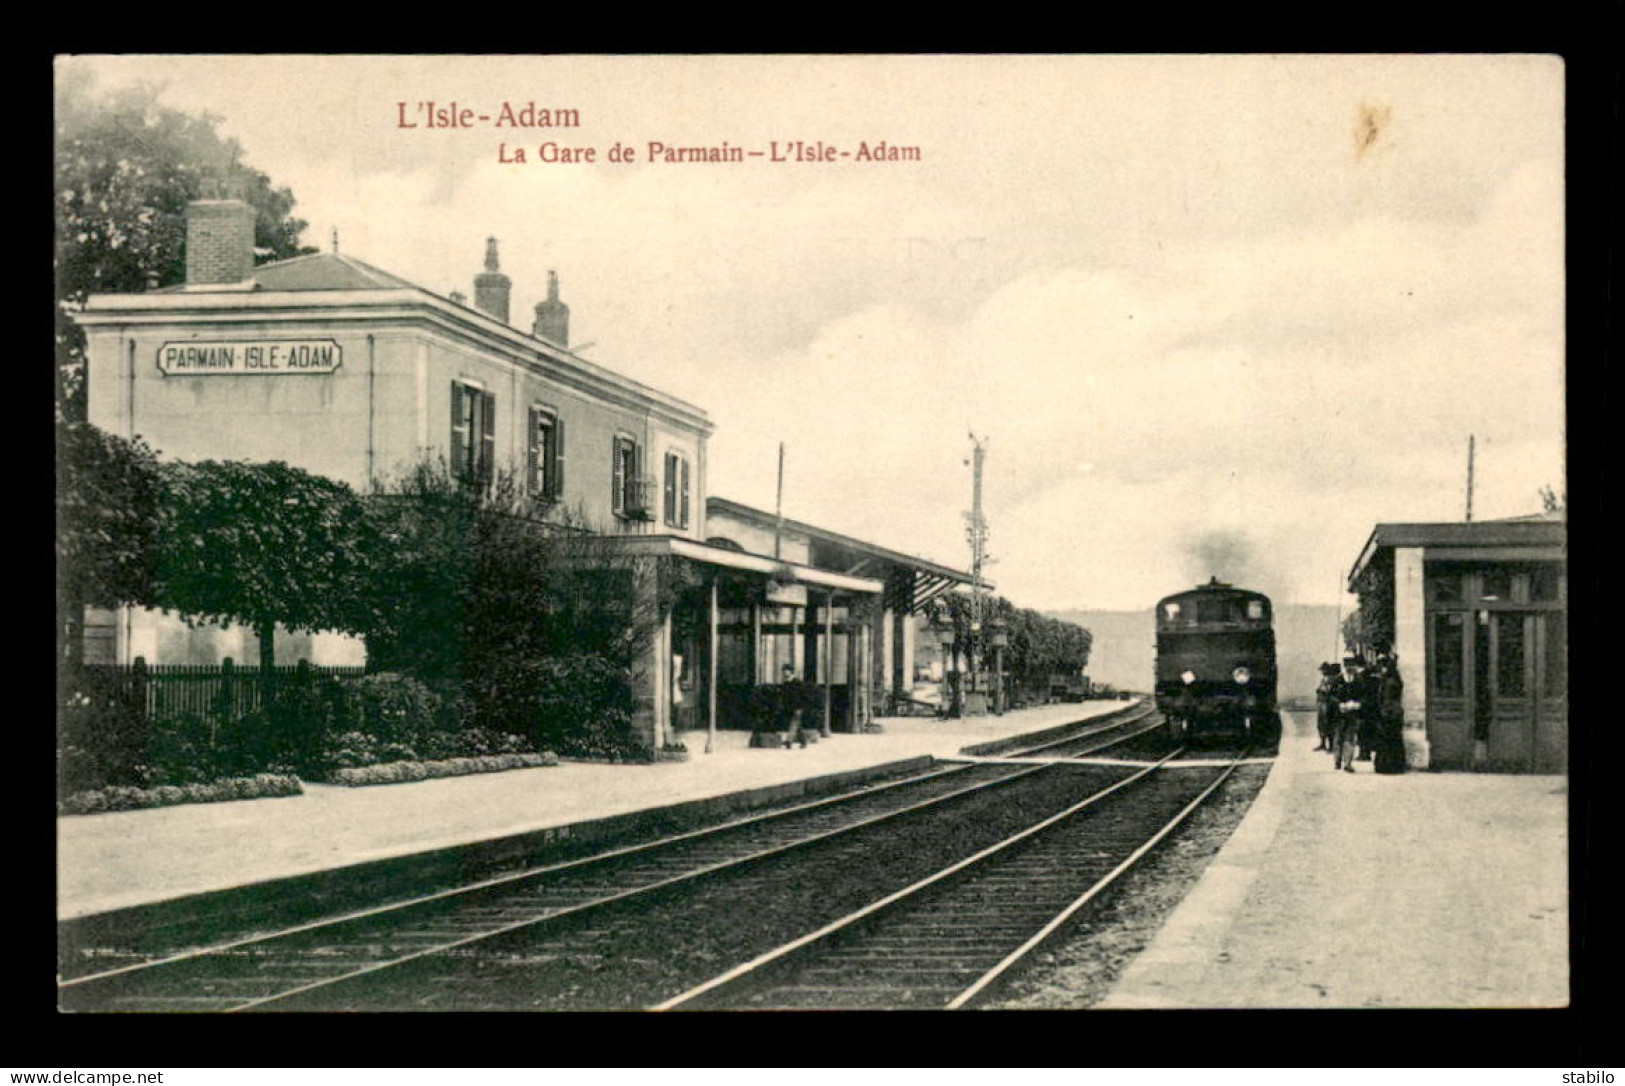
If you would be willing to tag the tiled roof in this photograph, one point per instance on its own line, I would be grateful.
(320, 271)
(715, 505)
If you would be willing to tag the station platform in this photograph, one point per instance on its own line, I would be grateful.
(130, 858)
(1340, 890)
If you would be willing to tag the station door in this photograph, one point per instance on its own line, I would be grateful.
(1499, 679)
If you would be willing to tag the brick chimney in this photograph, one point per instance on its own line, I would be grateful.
(491, 287)
(553, 316)
(219, 242)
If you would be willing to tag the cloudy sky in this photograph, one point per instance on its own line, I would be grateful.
(1211, 314)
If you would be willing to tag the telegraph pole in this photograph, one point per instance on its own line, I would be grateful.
(976, 534)
(1469, 478)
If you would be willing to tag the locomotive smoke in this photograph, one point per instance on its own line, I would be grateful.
(1225, 555)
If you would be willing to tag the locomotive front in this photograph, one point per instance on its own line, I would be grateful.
(1216, 662)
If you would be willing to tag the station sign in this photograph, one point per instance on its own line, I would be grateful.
(195, 358)
(787, 595)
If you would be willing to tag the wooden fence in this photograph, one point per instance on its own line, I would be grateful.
(223, 692)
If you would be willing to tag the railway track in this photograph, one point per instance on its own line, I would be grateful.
(330, 956)
(947, 941)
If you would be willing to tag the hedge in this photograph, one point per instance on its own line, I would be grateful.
(401, 772)
(126, 798)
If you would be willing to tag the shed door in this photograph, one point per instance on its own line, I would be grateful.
(1550, 660)
(1504, 698)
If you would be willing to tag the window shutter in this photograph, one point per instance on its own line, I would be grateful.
(618, 478)
(533, 457)
(555, 477)
(459, 432)
(683, 503)
(671, 489)
(488, 436)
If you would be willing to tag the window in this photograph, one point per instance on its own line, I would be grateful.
(626, 495)
(546, 455)
(1556, 676)
(677, 490)
(1509, 655)
(1448, 656)
(1495, 584)
(1443, 586)
(473, 433)
(1543, 584)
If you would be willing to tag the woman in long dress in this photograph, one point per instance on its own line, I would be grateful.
(1390, 754)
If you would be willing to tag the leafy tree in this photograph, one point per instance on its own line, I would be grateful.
(108, 514)
(261, 544)
(526, 617)
(1039, 645)
(126, 167)
(1370, 626)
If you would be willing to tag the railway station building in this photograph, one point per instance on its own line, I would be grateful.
(867, 643)
(1480, 627)
(344, 370)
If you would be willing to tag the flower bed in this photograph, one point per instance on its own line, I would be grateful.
(399, 772)
(123, 798)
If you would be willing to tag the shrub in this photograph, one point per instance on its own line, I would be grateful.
(398, 772)
(182, 749)
(125, 798)
(573, 703)
(391, 707)
(102, 736)
(301, 711)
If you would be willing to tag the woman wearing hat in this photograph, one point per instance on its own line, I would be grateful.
(1390, 739)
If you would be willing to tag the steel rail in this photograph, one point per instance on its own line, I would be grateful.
(983, 983)
(891, 900)
(515, 879)
(695, 874)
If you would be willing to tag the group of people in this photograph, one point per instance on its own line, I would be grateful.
(1361, 713)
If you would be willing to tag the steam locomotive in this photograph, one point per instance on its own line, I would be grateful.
(1215, 673)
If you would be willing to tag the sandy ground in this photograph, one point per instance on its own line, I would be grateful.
(1358, 890)
(107, 861)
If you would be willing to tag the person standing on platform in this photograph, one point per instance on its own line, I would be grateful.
(1390, 753)
(1326, 706)
(1350, 692)
(793, 707)
(1369, 709)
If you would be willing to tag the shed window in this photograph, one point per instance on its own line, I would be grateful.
(1444, 587)
(1447, 657)
(1495, 584)
(1555, 674)
(1509, 655)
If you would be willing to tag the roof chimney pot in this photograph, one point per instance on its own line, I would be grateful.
(492, 289)
(553, 316)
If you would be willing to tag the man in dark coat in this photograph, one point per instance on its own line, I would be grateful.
(1352, 691)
